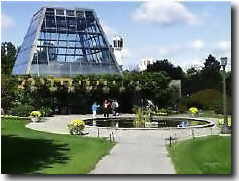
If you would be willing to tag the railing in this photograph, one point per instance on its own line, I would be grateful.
(190, 133)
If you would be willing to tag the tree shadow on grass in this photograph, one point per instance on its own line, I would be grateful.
(25, 155)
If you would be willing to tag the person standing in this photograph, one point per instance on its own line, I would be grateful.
(115, 106)
(94, 108)
(107, 107)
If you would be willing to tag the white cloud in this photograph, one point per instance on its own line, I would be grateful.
(223, 49)
(163, 51)
(7, 21)
(185, 54)
(198, 44)
(194, 45)
(164, 12)
(224, 45)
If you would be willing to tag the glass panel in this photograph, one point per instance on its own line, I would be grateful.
(60, 12)
(80, 14)
(67, 44)
(24, 55)
(70, 12)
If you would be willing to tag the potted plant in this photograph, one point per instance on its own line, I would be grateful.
(35, 116)
(76, 127)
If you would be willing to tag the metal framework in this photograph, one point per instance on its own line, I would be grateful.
(65, 42)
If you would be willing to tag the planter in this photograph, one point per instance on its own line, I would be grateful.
(35, 119)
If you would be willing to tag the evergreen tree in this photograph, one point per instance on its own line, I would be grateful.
(8, 57)
(210, 75)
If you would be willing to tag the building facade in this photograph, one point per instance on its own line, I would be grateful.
(65, 42)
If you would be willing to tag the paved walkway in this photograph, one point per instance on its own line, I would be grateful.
(136, 151)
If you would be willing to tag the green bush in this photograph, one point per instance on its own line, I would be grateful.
(218, 108)
(46, 111)
(76, 95)
(207, 99)
(140, 118)
(8, 92)
(182, 108)
(22, 110)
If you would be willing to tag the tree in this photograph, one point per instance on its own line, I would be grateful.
(210, 75)
(8, 57)
(8, 91)
(169, 68)
(192, 71)
(229, 83)
(192, 81)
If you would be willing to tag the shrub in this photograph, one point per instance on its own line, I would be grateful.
(76, 127)
(8, 92)
(182, 108)
(153, 86)
(140, 118)
(187, 102)
(45, 111)
(22, 110)
(208, 98)
(218, 108)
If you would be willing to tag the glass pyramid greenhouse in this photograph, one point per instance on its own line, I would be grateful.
(63, 42)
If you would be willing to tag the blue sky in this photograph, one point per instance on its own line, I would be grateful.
(183, 32)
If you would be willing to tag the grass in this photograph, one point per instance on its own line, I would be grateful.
(28, 151)
(205, 155)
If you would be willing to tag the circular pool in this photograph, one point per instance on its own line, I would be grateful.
(156, 122)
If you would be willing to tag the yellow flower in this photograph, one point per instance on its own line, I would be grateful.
(76, 126)
(77, 122)
(193, 110)
(35, 114)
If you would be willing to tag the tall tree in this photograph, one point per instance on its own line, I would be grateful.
(210, 74)
(208, 77)
(229, 83)
(8, 57)
(165, 66)
(192, 81)
(211, 64)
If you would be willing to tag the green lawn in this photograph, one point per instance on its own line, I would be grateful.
(28, 151)
(205, 155)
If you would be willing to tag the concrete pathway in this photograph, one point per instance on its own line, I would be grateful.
(136, 151)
